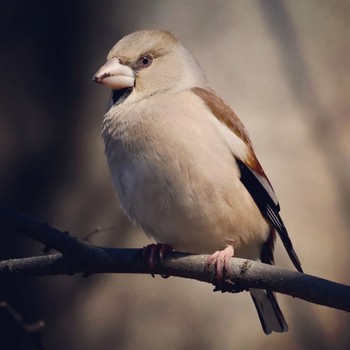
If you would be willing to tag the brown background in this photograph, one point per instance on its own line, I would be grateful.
(284, 68)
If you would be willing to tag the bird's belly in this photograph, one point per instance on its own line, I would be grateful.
(180, 182)
(192, 207)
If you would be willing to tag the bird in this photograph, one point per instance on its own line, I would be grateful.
(183, 165)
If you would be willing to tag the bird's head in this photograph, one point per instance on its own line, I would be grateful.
(148, 62)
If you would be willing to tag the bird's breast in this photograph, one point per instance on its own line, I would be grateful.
(176, 177)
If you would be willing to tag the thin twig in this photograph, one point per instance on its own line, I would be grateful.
(32, 330)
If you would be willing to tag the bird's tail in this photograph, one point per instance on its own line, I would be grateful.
(270, 314)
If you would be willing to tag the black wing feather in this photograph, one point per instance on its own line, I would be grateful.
(268, 206)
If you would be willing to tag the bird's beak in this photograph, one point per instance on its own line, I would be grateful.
(115, 75)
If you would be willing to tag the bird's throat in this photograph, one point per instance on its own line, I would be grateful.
(119, 96)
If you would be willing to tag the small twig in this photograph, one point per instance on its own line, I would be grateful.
(32, 330)
(97, 230)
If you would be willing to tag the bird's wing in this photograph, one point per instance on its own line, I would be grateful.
(252, 174)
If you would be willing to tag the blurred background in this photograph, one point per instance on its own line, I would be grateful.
(283, 66)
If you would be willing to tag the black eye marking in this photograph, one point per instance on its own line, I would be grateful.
(144, 61)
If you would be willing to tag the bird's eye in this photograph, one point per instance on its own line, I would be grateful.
(145, 61)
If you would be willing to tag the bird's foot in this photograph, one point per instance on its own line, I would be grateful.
(220, 261)
(151, 252)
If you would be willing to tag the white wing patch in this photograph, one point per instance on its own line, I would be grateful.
(236, 145)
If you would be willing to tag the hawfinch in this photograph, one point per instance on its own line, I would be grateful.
(182, 163)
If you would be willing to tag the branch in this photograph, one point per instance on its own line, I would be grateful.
(79, 257)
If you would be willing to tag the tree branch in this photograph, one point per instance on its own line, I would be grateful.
(79, 257)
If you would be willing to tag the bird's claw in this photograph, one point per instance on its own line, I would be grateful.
(220, 259)
(151, 252)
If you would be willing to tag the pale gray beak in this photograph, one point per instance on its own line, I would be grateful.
(115, 75)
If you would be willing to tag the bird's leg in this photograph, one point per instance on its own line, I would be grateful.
(220, 261)
(152, 251)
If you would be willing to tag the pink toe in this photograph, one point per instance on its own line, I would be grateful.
(220, 260)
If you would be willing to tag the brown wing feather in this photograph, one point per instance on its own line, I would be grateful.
(252, 176)
(228, 117)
